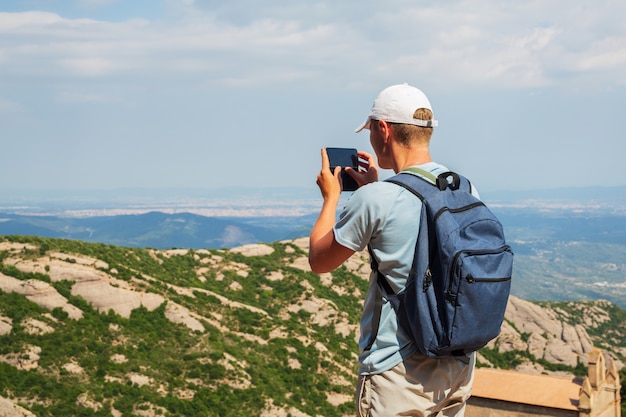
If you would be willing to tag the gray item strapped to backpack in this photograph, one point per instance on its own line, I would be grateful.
(460, 280)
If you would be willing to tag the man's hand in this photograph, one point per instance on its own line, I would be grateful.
(368, 169)
(325, 254)
(329, 182)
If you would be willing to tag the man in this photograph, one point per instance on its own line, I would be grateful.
(394, 378)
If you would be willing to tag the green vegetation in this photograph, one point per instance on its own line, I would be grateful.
(262, 344)
(513, 358)
(231, 369)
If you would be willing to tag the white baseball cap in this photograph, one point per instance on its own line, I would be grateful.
(397, 104)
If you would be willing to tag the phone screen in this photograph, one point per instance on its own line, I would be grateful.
(344, 157)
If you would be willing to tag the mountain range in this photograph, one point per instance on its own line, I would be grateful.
(565, 249)
(93, 329)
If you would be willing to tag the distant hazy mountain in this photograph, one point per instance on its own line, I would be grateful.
(569, 244)
(580, 195)
(159, 230)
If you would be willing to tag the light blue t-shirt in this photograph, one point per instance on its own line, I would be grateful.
(386, 216)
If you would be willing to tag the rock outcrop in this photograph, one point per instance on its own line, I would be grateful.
(542, 333)
(528, 326)
(50, 278)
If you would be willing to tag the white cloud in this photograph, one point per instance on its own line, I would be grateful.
(9, 106)
(94, 4)
(82, 97)
(15, 23)
(133, 74)
(448, 44)
(90, 66)
(609, 54)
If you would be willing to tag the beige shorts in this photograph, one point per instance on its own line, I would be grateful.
(419, 386)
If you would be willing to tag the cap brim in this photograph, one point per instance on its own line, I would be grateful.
(365, 125)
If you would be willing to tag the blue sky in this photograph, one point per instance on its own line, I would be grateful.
(105, 94)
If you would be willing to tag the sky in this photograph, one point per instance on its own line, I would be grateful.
(206, 94)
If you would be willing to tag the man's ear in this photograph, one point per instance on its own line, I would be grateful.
(385, 130)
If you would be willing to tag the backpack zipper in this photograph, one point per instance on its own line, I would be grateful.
(428, 279)
(449, 296)
(456, 210)
(471, 279)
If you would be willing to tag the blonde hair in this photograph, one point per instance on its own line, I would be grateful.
(408, 135)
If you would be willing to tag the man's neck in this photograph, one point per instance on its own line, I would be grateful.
(411, 157)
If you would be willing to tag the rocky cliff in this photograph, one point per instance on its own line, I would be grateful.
(551, 333)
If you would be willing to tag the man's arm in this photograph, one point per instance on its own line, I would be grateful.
(325, 254)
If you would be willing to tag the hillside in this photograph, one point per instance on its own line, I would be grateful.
(89, 329)
(563, 252)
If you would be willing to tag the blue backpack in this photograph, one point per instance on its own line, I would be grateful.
(459, 285)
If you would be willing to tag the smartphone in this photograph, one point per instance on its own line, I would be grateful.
(344, 157)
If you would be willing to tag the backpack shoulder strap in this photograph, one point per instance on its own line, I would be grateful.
(422, 172)
(426, 183)
(381, 283)
(421, 186)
